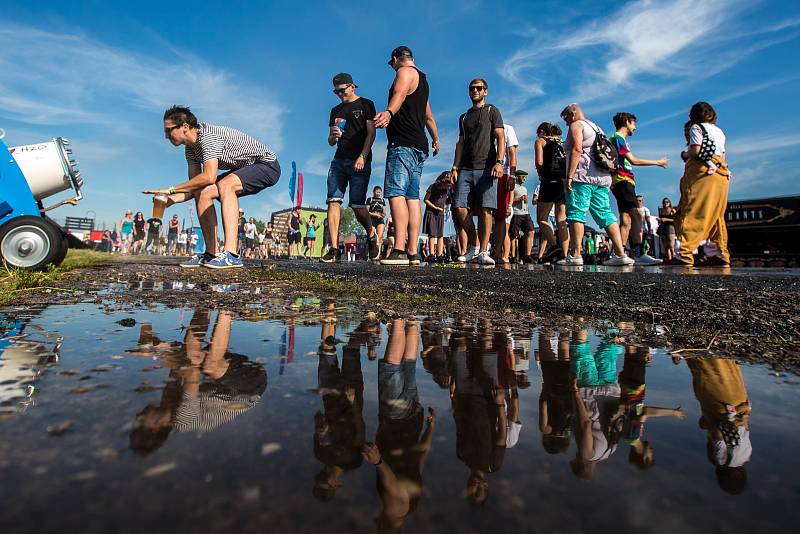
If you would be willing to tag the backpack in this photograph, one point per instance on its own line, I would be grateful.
(603, 152)
(556, 167)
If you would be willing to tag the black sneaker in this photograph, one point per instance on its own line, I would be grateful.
(332, 256)
(552, 255)
(374, 253)
(396, 257)
(413, 259)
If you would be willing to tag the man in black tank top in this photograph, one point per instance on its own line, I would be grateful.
(406, 117)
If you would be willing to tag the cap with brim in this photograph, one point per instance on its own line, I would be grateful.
(400, 51)
(520, 172)
(343, 78)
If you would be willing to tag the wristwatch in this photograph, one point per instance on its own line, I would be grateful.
(500, 161)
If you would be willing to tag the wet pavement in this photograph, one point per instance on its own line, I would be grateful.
(134, 416)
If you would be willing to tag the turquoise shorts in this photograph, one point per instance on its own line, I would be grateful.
(591, 198)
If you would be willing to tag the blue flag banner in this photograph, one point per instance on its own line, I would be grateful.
(293, 182)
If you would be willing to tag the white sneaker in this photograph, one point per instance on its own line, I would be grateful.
(618, 261)
(571, 261)
(469, 256)
(647, 259)
(485, 259)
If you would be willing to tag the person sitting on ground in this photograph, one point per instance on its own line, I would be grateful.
(587, 188)
(250, 168)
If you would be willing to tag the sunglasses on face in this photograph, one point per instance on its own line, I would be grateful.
(341, 91)
(168, 129)
(476, 88)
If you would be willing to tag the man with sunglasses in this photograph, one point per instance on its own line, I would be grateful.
(250, 168)
(477, 165)
(406, 118)
(352, 130)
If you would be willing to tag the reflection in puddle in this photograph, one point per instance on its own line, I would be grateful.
(410, 423)
(207, 385)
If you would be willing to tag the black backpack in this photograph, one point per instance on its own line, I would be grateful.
(604, 153)
(556, 163)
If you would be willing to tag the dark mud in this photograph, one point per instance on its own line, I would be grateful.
(745, 314)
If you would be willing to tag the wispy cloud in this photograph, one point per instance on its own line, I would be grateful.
(64, 78)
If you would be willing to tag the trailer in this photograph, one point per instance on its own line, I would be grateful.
(30, 174)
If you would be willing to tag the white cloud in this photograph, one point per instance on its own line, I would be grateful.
(62, 78)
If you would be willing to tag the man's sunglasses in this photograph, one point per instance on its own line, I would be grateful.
(477, 87)
(168, 129)
(342, 90)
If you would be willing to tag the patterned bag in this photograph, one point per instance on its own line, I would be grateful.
(707, 147)
(604, 153)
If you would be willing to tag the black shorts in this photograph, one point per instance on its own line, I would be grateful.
(551, 191)
(256, 177)
(293, 237)
(520, 223)
(625, 193)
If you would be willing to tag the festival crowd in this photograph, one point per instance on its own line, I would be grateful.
(484, 191)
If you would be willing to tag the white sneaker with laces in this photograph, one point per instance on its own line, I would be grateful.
(571, 261)
(618, 261)
(469, 256)
(485, 259)
(647, 259)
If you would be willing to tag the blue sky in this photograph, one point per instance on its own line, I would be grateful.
(102, 73)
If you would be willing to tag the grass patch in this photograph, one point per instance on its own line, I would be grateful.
(17, 282)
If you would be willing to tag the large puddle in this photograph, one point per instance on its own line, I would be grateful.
(191, 420)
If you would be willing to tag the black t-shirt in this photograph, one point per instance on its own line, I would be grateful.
(377, 205)
(356, 113)
(155, 225)
(407, 126)
(477, 127)
(294, 223)
(437, 194)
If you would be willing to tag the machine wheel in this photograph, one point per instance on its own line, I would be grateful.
(32, 243)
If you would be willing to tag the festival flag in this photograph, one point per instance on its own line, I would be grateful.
(299, 189)
(293, 182)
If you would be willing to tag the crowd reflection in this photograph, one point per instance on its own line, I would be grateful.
(592, 395)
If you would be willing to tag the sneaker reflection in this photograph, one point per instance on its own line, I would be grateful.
(208, 386)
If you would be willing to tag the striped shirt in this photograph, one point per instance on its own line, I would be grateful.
(207, 411)
(231, 148)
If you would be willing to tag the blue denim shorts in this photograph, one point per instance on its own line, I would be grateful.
(403, 172)
(476, 188)
(340, 174)
(397, 389)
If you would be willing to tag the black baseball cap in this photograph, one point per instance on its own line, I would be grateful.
(343, 78)
(400, 51)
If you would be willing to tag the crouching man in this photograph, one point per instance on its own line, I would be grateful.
(250, 167)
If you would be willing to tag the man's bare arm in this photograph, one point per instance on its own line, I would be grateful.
(430, 124)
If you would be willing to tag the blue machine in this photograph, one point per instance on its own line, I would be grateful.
(28, 238)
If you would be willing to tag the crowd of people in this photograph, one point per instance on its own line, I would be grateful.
(486, 193)
(484, 189)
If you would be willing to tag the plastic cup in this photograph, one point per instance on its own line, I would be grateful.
(159, 205)
(341, 123)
